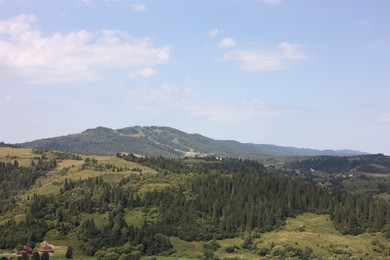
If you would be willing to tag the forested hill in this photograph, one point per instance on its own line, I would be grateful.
(373, 163)
(129, 207)
(165, 141)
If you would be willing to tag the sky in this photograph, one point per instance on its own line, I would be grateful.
(302, 73)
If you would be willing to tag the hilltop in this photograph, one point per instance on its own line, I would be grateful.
(168, 142)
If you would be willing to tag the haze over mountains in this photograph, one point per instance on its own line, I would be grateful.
(168, 142)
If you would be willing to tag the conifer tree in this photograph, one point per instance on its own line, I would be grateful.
(69, 252)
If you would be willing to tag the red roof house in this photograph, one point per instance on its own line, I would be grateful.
(25, 249)
(47, 249)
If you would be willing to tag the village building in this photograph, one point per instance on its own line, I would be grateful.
(25, 249)
(47, 249)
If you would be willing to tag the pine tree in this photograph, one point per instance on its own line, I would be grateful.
(45, 256)
(69, 252)
(36, 256)
(24, 257)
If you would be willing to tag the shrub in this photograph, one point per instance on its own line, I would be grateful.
(230, 249)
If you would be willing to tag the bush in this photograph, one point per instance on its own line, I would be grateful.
(278, 251)
(248, 243)
(300, 229)
(230, 249)
(208, 254)
(263, 250)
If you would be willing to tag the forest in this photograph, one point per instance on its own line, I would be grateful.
(206, 200)
(373, 163)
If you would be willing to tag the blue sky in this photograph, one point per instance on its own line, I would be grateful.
(294, 73)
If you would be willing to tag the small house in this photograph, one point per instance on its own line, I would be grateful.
(25, 249)
(47, 249)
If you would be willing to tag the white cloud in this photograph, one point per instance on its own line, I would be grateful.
(87, 2)
(164, 99)
(223, 113)
(271, 2)
(214, 32)
(112, 3)
(140, 7)
(8, 102)
(136, 6)
(165, 93)
(364, 23)
(143, 73)
(27, 55)
(227, 42)
(383, 118)
(156, 101)
(277, 58)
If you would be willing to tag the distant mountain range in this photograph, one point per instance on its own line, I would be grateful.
(167, 142)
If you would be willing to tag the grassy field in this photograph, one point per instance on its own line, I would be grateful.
(23, 155)
(371, 183)
(55, 238)
(320, 235)
(307, 230)
(71, 169)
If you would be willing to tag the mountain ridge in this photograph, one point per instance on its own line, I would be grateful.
(167, 142)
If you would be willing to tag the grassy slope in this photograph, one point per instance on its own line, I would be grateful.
(55, 180)
(22, 155)
(319, 234)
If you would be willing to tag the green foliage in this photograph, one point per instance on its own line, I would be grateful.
(230, 249)
(300, 229)
(2, 144)
(24, 257)
(126, 251)
(248, 243)
(36, 256)
(208, 253)
(45, 256)
(264, 250)
(69, 252)
(285, 251)
(14, 178)
(386, 231)
(226, 165)
(213, 245)
(373, 163)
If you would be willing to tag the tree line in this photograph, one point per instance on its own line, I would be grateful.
(373, 163)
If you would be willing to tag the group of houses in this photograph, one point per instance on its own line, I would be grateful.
(29, 251)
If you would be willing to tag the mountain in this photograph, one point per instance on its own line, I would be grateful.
(168, 142)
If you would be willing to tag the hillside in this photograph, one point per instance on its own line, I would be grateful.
(127, 207)
(168, 142)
